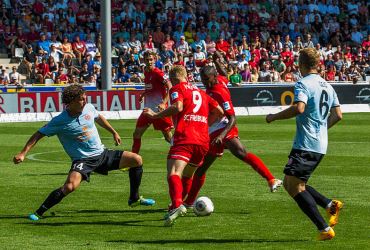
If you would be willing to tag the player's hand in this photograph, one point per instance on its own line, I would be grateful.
(161, 107)
(117, 139)
(149, 112)
(18, 158)
(269, 118)
(218, 140)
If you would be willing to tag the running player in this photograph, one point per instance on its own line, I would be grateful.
(316, 108)
(223, 133)
(192, 110)
(76, 130)
(155, 96)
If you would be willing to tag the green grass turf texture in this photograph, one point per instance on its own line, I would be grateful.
(247, 215)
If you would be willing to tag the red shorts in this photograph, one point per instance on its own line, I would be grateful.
(192, 154)
(218, 149)
(162, 124)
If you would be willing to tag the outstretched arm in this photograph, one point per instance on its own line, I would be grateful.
(106, 125)
(292, 111)
(30, 143)
(171, 110)
(335, 116)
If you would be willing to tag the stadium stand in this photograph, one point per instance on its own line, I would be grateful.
(259, 40)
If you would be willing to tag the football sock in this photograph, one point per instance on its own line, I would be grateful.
(175, 190)
(321, 200)
(136, 145)
(258, 165)
(198, 182)
(186, 185)
(54, 198)
(308, 205)
(135, 175)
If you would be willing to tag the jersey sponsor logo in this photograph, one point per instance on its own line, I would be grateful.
(87, 117)
(226, 105)
(195, 118)
(174, 95)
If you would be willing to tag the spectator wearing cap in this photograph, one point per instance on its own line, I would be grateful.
(43, 44)
(182, 46)
(79, 49)
(56, 54)
(199, 57)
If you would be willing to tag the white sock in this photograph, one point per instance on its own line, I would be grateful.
(326, 229)
(329, 205)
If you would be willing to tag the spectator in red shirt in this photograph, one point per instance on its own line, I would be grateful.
(43, 71)
(222, 46)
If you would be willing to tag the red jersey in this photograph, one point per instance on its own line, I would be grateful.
(221, 94)
(191, 124)
(155, 88)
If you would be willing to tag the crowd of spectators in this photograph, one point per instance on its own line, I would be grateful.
(60, 40)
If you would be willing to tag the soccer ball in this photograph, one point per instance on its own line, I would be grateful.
(203, 206)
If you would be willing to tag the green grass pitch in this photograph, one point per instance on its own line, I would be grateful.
(247, 215)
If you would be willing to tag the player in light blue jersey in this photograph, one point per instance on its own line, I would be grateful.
(316, 108)
(76, 130)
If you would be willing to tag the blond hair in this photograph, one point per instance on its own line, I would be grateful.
(309, 58)
(178, 71)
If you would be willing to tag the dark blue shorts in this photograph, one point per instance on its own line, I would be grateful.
(302, 163)
(109, 160)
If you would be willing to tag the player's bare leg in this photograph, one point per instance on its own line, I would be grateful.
(194, 184)
(296, 188)
(138, 133)
(134, 163)
(72, 183)
(237, 149)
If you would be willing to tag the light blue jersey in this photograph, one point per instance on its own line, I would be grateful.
(78, 135)
(319, 97)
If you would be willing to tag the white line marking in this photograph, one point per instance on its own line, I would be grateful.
(32, 157)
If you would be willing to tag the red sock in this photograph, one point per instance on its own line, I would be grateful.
(198, 182)
(186, 185)
(175, 188)
(258, 165)
(136, 146)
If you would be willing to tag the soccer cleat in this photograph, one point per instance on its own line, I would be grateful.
(333, 212)
(141, 202)
(34, 217)
(172, 215)
(274, 184)
(326, 235)
(189, 207)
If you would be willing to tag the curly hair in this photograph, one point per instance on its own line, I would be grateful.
(72, 92)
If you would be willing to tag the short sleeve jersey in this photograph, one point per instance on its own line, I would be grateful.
(155, 88)
(191, 124)
(221, 94)
(78, 135)
(319, 97)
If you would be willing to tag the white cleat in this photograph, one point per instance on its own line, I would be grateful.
(275, 184)
(172, 215)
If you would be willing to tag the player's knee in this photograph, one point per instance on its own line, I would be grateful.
(69, 187)
(240, 153)
(137, 134)
(137, 160)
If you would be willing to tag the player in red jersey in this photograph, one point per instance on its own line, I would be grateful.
(192, 111)
(223, 133)
(155, 96)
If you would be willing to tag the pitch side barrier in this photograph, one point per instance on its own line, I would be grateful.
(123, 102)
